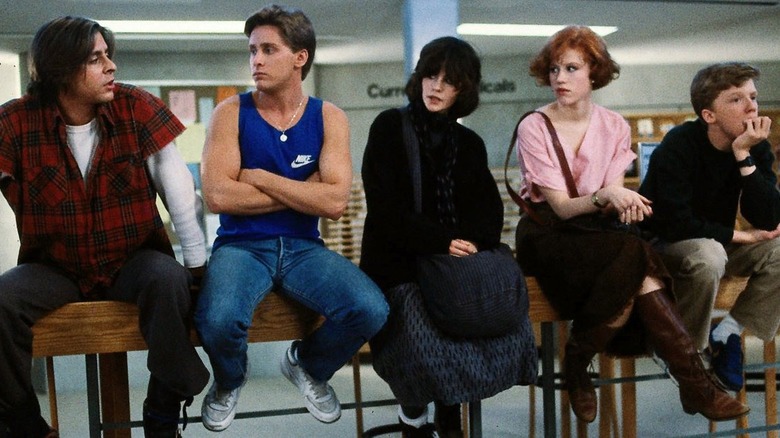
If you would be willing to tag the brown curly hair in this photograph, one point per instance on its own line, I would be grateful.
(603, 69)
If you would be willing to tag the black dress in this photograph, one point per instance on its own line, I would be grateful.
(419, 363)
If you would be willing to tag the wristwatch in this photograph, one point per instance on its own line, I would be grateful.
(594, 198)
(747, 162)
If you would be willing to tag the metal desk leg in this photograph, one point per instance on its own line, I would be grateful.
(93, 396)
(548, 380)
(475, 419)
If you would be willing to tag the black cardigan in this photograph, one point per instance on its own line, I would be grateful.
(394, 234)
(696, 188)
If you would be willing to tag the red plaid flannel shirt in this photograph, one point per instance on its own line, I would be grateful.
(88, 231)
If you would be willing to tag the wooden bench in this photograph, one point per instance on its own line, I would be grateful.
(104, 331)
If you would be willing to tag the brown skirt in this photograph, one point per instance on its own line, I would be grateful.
(590, 272)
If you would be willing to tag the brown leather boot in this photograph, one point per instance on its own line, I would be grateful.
(580, 350)
(669, 337)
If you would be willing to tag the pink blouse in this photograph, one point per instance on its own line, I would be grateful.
(603, 157)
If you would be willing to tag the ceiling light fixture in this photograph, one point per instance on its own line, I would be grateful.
(531, 30)
(165, 26)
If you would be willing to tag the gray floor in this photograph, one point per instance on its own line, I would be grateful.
(504, 415)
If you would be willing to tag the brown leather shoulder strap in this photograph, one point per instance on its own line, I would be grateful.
(573, 193)
(512, 193)
(570, 185)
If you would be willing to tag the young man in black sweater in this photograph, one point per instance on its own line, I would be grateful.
(702, 175)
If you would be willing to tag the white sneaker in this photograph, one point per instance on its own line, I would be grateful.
(319, 397)
(219, 407)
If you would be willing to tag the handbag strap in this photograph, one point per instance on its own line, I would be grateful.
(413, 155)
(570, 185)
(561, 157)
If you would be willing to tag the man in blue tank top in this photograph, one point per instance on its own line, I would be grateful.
(275, 161)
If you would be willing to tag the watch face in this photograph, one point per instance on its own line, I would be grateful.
(747, 162)
(595, 200)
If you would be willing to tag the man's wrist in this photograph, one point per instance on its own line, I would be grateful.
(746, 162)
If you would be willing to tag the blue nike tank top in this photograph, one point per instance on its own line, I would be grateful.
(297, 158)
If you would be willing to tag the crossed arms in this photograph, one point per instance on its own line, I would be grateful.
(227, 188)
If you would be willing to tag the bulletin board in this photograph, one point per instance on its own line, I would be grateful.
(193, 105)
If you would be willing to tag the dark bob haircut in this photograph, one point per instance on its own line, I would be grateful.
(603, 69)
(59, 51)
(461, 66)
(294, 27)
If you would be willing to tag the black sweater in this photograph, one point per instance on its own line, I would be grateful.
(696, 188)
(394, 234)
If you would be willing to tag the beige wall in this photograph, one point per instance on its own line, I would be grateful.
(9, 89)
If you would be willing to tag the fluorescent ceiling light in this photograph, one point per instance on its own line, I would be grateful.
(165, 26)
(540, 30)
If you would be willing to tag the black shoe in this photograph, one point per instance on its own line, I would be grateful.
(446, 419)
(425, 431)
(160, 424)
(162, 411)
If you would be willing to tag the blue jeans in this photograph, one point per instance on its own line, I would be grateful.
(240, 275)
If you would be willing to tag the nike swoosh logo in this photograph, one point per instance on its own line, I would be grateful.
(301, 160)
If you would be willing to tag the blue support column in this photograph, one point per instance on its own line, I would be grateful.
(425, 20)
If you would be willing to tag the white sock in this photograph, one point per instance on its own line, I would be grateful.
(727, 327)
(414, 422)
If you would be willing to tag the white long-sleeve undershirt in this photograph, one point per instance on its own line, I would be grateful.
(176, 187)
(172, 181)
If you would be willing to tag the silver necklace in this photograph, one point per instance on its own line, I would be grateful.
(283, 137)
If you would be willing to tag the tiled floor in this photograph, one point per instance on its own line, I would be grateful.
(504, 415)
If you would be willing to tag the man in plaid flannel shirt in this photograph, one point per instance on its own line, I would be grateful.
(82, 160)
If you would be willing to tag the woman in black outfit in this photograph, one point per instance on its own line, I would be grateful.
(462, 213)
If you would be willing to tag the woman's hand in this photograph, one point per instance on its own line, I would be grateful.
(462, 248)
(630, 206)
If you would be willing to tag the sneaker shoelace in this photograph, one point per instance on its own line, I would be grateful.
(223, 398)
(320, 390)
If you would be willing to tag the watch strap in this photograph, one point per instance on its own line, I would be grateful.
(747, 162)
